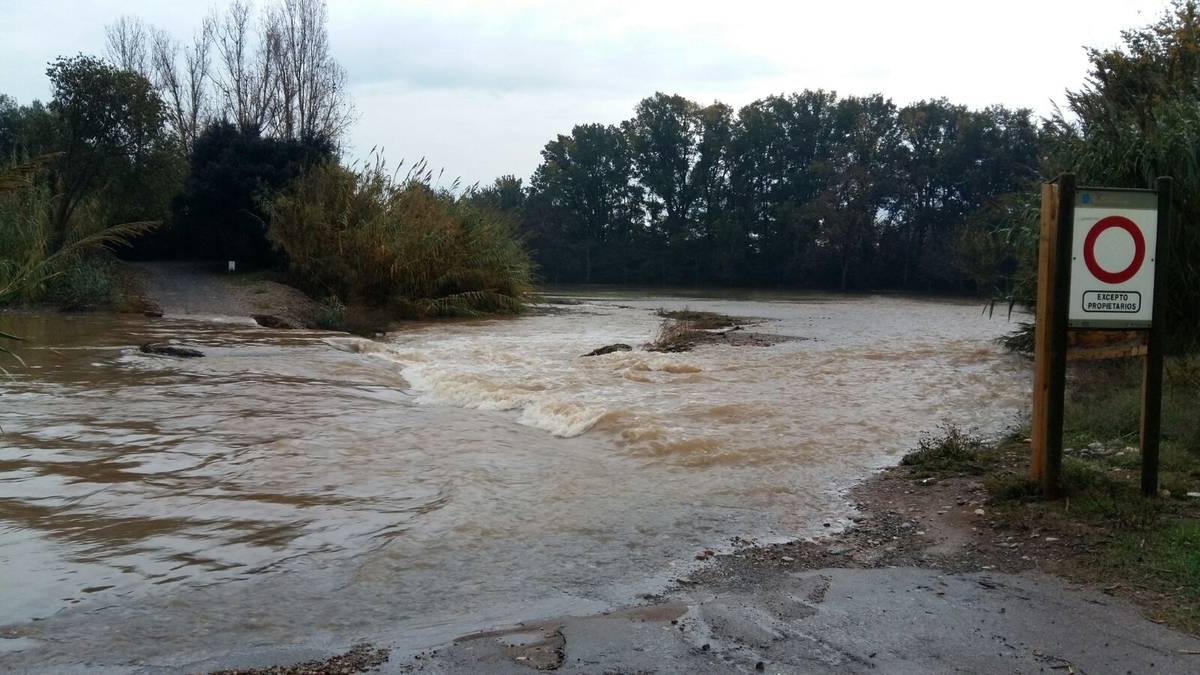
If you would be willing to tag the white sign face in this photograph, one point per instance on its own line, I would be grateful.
(1112, 259)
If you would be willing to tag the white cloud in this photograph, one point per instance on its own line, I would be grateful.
(479, 86)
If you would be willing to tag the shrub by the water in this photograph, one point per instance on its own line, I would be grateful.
(369, 238)
(1020, 340)
(330, 313)
(951, 450)
(85, 283)
(32, 269)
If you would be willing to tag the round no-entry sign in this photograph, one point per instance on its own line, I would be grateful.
(1114, 234)
(1089, 250)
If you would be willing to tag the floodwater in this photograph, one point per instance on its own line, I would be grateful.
(318, 489)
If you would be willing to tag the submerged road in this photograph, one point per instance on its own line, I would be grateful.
(885, 620)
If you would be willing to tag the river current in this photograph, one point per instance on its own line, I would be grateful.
(313, 488)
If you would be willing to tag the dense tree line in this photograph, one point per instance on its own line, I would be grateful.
(100, 140)
(253, 100)
(807, 190)
(185, 146)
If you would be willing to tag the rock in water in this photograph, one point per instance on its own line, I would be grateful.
(169, 350)
(269, 321)
(619, 347)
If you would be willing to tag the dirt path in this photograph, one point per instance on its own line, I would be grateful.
(202, 289)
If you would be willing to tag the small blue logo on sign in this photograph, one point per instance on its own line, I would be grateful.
(1086, 198)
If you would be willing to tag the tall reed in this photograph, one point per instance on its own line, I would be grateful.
(27, 259)
(369, 237)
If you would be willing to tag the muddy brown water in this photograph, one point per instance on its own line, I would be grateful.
(312, 488)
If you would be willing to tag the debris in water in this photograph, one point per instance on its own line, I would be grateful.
(609, 349)
(169, 350)
(270, 321)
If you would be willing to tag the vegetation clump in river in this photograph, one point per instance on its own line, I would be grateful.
(684, 330)
(361, 236)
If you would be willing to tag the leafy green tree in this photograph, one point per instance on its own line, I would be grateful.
(664, 135)
(585, 191)
(1138, 117)
(781, 147)
(712, 229)
(104, 118)
(222, 210)
(862, 181)
(505, 194)
(26, 131)
(929, 205)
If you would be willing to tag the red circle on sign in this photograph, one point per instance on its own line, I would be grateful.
(1089, 250)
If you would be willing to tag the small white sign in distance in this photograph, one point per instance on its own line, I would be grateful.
(1112, 258)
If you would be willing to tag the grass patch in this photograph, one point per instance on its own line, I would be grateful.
(1011, 487)
(1104, 403)
(949, 450)
(1168, 559)
(1147, 547)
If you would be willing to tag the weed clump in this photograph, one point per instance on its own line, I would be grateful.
(949, 450)
(1019, 341)
(330, 313)
(673, 336)
(1011, 487)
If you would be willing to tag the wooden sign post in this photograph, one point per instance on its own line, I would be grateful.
(1097, 298)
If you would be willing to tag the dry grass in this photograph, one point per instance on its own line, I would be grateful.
(673, 335)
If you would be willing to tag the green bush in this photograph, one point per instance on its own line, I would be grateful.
(330, 314)
(84, 284)
(370, 239)
(32, 269)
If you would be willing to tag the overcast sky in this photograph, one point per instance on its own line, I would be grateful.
(479, 86)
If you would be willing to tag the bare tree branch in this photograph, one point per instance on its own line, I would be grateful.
(276, 75)
(125, 41)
